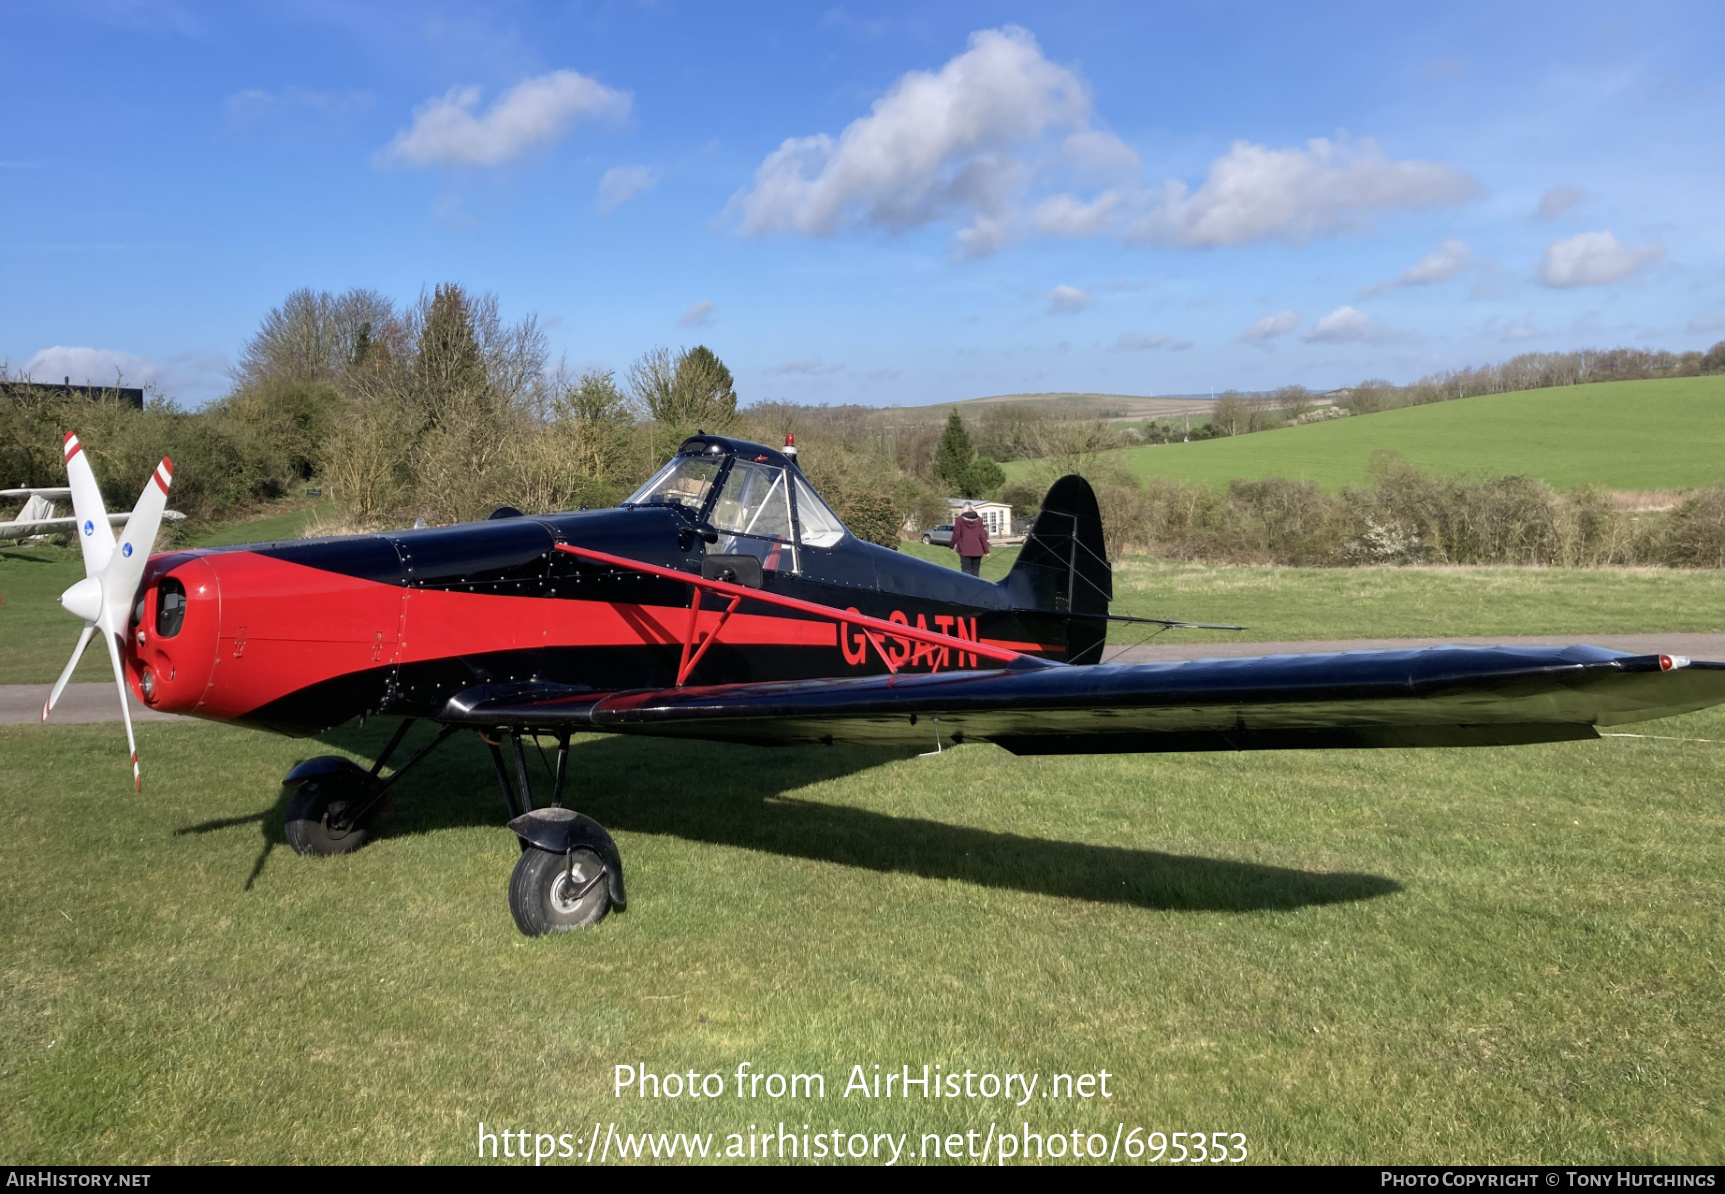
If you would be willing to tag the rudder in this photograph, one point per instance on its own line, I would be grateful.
(1063, 567)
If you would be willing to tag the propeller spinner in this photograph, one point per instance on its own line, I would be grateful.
(112, 570)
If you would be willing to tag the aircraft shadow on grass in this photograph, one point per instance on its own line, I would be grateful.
(736, 796)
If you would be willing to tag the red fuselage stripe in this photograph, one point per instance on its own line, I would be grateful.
(878, 625)
(258, 629)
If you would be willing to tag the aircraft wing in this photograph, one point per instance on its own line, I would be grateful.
(1437, 696)
(23, 529)
(51, 526)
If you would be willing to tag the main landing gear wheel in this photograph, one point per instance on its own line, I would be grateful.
(558, 893)
(314, 824)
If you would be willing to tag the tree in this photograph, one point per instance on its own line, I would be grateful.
(316, 336)
(705, 390)
(449, 363)
(1293, 402)
(981, 477)
(592, 416)
(872, 517)
(1372, 395)
(1073, 445)
(1230, 415)
(954, 453)
(691, 390)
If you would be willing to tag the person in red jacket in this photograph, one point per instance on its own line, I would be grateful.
(970, 540)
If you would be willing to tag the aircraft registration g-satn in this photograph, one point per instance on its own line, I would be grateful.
(725, 601)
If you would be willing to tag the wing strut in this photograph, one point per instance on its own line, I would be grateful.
(695, 645)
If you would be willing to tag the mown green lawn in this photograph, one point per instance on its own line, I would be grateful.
(1507, 955)
(1415, 956)
(1280, 604)
(1630, 435)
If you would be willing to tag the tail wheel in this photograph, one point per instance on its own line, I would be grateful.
(314, 823)
(558, 893)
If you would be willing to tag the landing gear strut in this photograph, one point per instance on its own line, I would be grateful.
(333, 800)
(570, 874)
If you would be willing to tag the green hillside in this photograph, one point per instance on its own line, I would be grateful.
(1635, 435)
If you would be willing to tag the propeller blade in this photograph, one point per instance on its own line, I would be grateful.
(94, 535)
(126, 566)
(71, 666)
(125, 708)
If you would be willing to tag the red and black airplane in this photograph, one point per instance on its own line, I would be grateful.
(725, 601)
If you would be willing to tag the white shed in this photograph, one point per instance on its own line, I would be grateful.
(997, 516)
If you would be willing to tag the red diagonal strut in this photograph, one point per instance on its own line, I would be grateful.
(872, 628)
(688, 664)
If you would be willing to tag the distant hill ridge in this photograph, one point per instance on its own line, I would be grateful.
(1656, 435)
(1110, 406)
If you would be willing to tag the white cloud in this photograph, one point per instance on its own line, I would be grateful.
(1143, 341)
(620, 184)
(91, 366)
(1707, 323)
(1068, 215)
(1068, 300)
(192, 377)
(1345, 325)
(935, 145)
(1440, 265)
(1594, 259)
(1257, 193)
(1101, 156)
(1559, 200)
(807, 366)
(975, 142)
(699, 315)
(449, 131)
(1513, 332)
(252, 107)
(1271, 326)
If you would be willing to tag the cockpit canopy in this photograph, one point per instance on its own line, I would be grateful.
(756, 499)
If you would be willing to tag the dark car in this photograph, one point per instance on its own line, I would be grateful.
(940, 536)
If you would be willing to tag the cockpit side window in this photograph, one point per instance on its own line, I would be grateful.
(755, 501)
(686, 482)
(819, 526)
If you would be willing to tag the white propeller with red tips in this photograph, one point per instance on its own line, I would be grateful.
(112, 571)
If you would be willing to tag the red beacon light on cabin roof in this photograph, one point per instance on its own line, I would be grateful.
(791, 444)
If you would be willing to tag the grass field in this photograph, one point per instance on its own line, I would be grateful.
(1631, 435)
(1282, 604)
(1417, 956)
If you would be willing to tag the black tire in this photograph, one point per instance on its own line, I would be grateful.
(307, 823)
(558, 893)
(928, 541)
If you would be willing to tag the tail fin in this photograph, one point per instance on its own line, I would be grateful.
(1063, 567)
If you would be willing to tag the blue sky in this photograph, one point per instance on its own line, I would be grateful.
(879, 204)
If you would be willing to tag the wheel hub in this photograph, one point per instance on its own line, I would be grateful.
(334, 822)
(572, 886)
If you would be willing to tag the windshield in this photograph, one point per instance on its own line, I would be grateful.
(684, 482)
